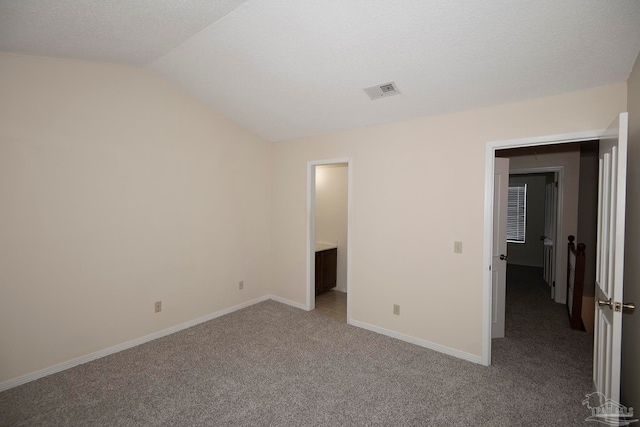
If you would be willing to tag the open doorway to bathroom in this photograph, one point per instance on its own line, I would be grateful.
(328, 238)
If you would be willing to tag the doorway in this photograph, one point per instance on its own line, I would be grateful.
(537, 328)
(559, 183)
(491, 150)
(609, 283)
(328, 231)
(543, 237)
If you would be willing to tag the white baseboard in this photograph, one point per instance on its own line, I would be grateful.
(5, 385)
(417, 341)
(288, 302)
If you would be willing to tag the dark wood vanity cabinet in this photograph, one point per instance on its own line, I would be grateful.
(326, 270)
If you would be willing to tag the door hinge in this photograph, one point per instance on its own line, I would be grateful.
(554, 284)
(489, 267)
(556, 183)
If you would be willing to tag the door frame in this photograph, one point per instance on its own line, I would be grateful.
(559, 277)
(490, 153)
(311, 228)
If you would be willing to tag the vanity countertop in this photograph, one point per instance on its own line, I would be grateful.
(325, 246)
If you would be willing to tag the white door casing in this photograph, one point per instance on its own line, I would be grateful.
(490, 153)
(311, 221)
(610, 258)
(550, 219)
(498, 262)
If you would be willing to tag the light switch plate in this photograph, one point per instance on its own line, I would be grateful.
(457, 247)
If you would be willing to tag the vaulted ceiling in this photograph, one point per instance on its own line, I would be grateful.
(292, 68)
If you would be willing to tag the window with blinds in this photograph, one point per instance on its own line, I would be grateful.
(517, 213)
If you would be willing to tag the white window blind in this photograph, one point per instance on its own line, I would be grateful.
(517, 213)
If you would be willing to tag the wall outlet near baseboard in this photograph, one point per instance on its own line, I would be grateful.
(158, 306)
(241, 284)
(396, 309)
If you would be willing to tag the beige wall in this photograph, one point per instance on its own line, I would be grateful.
(566, 156)
(332, 183)
(530, 252)
(117, 191)
(417, 187)
(631, 323)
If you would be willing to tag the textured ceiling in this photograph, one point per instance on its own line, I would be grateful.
(133, 32)
(291, 68)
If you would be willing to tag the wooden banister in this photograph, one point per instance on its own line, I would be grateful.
(575, 282)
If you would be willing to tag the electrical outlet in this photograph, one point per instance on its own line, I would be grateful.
(158, 306)
(457, 247)
(396, 309)
(241, 285)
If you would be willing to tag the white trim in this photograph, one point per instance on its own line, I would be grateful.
(299, 305)
(349, 234)
(311, 232)
(560, 138)
(417, 341)
(487, 247)
(311, 227)
(6, 385)
(546, 169)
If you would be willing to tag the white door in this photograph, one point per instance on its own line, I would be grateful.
(609, 258)
(499, 259)
(550, 209)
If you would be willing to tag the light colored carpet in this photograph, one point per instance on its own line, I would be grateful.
(271, 364)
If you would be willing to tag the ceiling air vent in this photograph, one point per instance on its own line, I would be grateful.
(382, 91)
